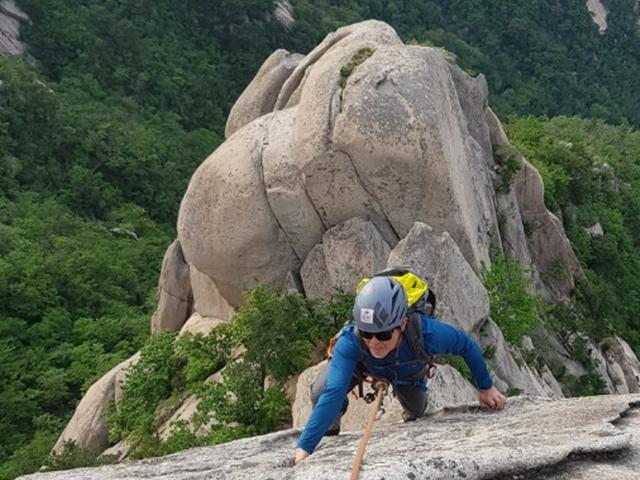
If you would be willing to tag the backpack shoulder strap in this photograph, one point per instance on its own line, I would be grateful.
(414, 331)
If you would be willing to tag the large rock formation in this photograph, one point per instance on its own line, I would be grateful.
(363, 154)
(588, 438)
(363, 126)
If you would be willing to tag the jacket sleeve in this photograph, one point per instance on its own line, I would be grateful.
(341, 367)
(441, 338)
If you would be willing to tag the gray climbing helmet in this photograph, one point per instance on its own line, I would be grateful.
(380, 305)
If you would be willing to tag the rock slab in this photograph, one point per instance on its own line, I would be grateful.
(462, 443)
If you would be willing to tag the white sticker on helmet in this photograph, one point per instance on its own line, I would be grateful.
(366, 315)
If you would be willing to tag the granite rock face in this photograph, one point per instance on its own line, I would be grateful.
(401, 137)
(260, 96)
(88, 426)
(11, 17)
(596, 437)
(549, 247)
(461, 298)
(173, 296)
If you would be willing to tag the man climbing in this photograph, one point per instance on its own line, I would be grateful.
(382, 343)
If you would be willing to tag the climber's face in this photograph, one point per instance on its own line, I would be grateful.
(382, 348)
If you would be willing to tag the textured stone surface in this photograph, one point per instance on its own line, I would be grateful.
(548, 245)
(10, 19)
(513, 236)
(331, 180)
(461, 443)
(315, 276)
(88, 427)
(517, 374)
(461, 299)
(353, 250)
(405, 137)
(260, 95)
(614, 466)
(598, 12)
(285, 186)
(207, 299)
(595, 231)
(622, 364)
(173, 293)
(225, 224)
(198, 324)
(400, 123)
(553, 350)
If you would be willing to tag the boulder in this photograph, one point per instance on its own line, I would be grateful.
(315, 276)
(461, 299)
(283, 12)
(550, 382)
(399, 122)
(88, 426)
(553, 351)
(225, 224)
(600, 365)
(598, 12)
(371, 30)
(292, 283)
(512, 231)
(285, 187)
(622, 364)
(332, 183)
(118, 452)
(121, 377)
(185, 412)
(353, 250)
(260, 96)
(207, 299)
(173, 296)
(591, 438)
(349, 251)
(198, 324)
(595, 231)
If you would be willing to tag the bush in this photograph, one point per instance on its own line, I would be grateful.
(513, 307)
(147, 383)
(205, 355)
(459, 364)
(73, 456)
(279, 332)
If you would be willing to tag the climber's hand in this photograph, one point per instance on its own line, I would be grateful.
(492, 398)
(299, 455)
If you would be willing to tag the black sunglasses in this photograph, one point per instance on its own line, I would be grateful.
(382, 336)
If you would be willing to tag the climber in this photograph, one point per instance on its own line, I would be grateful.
(382, 343)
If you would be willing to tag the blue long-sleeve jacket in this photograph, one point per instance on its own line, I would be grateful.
(398, 365)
